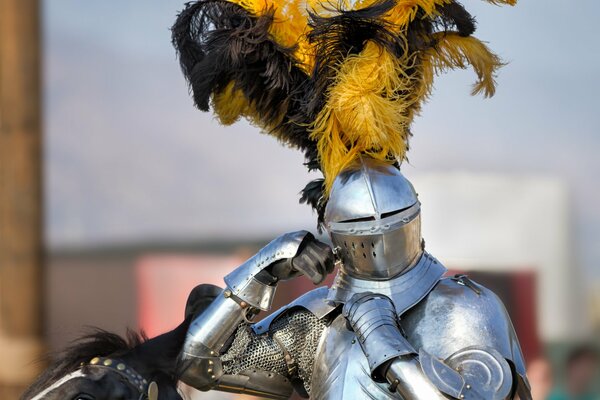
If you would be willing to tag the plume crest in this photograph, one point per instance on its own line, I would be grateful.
(333, 81)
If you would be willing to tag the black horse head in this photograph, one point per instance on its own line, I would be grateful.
(103, 366)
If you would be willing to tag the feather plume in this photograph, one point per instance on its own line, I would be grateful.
(334, 80)
(455, 51)
(366, 110)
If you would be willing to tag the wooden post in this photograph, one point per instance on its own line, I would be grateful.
(21, 251)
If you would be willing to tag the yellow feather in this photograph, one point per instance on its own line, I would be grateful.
(501, 2)
(289, 27)
(230, 104)
(366, 112)
(455, 51)
(405, 11)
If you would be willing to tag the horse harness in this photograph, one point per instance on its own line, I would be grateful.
(147, 391)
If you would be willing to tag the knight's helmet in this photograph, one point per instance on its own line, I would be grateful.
(373, 218)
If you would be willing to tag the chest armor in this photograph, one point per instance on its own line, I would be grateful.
(341, 370)
(445, 317)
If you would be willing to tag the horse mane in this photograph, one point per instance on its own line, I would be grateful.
(96, 343)
(157, 357)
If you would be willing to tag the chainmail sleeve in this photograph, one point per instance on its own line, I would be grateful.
(288, 349)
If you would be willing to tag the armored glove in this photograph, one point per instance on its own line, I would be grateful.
(373, 318)
(314, 260)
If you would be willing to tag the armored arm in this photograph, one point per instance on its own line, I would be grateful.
(472, 373)
(220, 336)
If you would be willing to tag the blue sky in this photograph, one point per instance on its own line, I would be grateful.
(129, 158)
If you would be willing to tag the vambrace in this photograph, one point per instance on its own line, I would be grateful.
(211, 332)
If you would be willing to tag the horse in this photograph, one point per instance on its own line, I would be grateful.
(102, 365)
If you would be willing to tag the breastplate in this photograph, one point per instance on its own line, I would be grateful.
(341, 369)
(443, 319)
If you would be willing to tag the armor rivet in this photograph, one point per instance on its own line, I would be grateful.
(107, 362)
(120, 366)
(210, 362)
(353, 341)
(95, 360)
(462, 396)
(209, 370)
(212, 353)
(243, 304)
(212, 377)
(227, 293)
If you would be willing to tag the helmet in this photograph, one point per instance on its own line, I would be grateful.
(373, 218)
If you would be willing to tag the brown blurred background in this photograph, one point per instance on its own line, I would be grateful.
(144, 196)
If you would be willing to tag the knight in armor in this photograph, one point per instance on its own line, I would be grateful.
(343, 85)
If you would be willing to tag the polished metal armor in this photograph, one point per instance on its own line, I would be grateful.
(373, 218)
(391, 325)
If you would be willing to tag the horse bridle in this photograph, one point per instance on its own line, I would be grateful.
(147, 390)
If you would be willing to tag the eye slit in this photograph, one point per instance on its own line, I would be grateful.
(358, 220)
(389, 214)
(372, 245)
(374, 255)
(364, 255)
(362, 245)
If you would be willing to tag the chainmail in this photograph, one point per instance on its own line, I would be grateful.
(297, 331)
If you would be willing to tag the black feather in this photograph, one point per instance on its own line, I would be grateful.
(455, 16)
(313, 195)
(219, 42)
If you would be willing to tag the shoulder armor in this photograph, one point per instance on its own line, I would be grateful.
(468, 315)
(471, 373)
(314, 301)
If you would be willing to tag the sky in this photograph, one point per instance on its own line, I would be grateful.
(128, 158)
